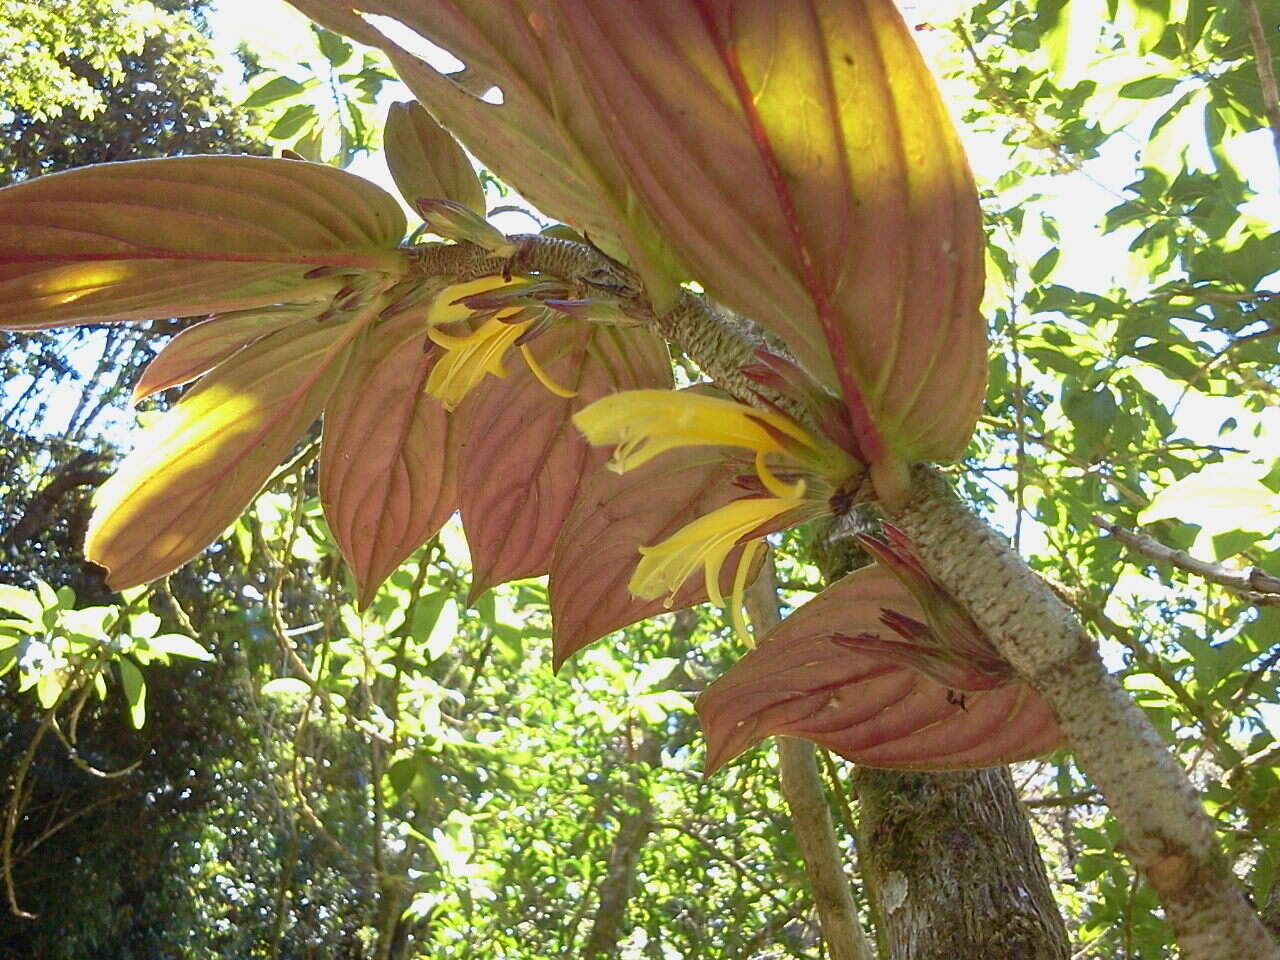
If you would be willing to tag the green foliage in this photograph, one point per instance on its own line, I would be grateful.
(324, 107)
(143, 72)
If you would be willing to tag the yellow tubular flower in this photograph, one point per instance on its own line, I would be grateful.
(646, 423)
(705, 543)
(467, 359)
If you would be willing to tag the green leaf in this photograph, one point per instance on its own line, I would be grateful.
(1221, 498)
(1070, 43)
(89, 623)
(335, 49)
(1144, 21)
(653, 672)
(444, 632)
(277, 88)
(50, 686)
(48, 596)
(135, 691)
(1043, 267)
(401, 774)
(143, 625)
(22, 602)
(285, 687)
(1093, 414)
(294, 119)
(1148, 88)
(177, 645)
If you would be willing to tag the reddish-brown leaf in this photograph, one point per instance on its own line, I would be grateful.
(799, 161)
(388, 471)
(184, 236)
(523, 460)
(614, 516)
(200, 465)
(200, 348)
(810, 679)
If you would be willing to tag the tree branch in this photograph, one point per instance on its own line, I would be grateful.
(1253, 584)
(1167, 832)
(39, 511)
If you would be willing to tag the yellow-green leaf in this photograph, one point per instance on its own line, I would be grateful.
(135, 691)
(200, 348)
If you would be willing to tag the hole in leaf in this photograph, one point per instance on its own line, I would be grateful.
(437, 56)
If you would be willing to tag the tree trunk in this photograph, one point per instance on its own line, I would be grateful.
(953, 868)
(947, 859)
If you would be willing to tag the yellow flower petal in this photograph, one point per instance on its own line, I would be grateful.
(740, 590)
(543, 377)
(773, 483)
(444, 311)
(468, 359)
(705, 542)
(646, 423)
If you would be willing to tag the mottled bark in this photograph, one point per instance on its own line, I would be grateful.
(954, 868)
(1167, 832)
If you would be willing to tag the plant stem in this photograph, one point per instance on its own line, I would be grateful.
(1266, 75)
(810, 816)
(1255, 585)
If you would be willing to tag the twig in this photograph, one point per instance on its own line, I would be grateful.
(838, 791)
(1266, 75)
(738, 867)
(1222, 354)
(1064, 800)
(1255, 585)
